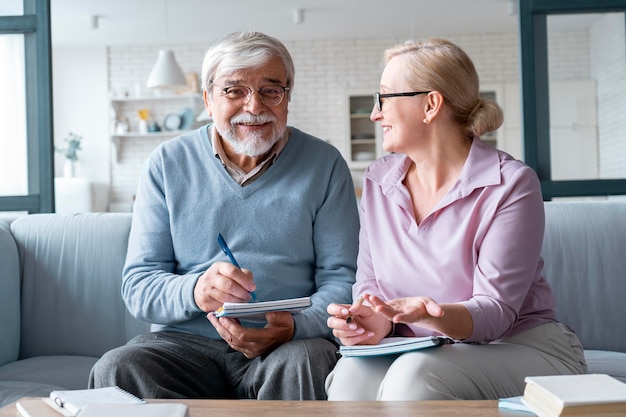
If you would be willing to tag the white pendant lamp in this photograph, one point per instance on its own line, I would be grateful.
(166, 73)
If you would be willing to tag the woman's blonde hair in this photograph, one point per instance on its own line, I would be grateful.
(440, 65)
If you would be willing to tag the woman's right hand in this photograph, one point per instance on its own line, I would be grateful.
(357, 324)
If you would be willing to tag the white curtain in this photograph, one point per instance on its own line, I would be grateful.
(13, 162)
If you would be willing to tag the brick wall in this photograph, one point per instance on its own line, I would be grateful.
(609, 70)
(325, 72)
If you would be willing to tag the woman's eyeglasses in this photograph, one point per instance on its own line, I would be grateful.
(378, 97)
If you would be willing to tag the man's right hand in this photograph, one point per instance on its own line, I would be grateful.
(223, 282)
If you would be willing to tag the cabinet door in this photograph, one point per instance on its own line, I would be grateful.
(362, 132)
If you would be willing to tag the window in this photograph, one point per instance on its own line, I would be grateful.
(13, 164)
(592, 139)
(26, 172)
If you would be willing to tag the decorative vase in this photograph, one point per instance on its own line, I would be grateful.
(69, 169)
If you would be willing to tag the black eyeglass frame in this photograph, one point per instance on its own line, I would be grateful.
(378, 102)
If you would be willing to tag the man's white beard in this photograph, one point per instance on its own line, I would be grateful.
(255, 144)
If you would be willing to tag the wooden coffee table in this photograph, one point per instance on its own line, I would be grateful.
(253, 408)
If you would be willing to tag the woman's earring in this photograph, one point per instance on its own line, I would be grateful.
(425, 121)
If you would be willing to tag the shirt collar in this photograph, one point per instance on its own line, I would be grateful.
(237, 173)
(481, 169)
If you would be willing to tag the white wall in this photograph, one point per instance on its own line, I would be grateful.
(325, 71)
(609, 69)
(81, 105)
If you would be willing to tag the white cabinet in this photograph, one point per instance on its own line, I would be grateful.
(364, 135)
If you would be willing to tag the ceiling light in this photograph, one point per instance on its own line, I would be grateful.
(166, 73)
(298, 16)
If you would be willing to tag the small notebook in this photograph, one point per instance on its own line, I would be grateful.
(394, 345)
(256, 311)
(71, 402)
(35, 407)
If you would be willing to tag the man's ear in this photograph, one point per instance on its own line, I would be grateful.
(207, 102)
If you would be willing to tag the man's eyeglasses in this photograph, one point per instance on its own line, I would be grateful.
(271, 95)
(378, 97)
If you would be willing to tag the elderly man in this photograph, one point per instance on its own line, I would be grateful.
(283, 200)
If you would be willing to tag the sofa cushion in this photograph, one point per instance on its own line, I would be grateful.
(71, 279)
(605, 362)
(68, 372)
(11, 391)
(585, 264)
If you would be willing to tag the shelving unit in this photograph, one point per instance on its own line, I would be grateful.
(159, 107)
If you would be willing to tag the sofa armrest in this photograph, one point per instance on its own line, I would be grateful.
(9, 297)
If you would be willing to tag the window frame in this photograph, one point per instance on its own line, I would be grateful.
(535, 92)
(34, 24)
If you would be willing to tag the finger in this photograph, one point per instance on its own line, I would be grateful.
(339, 310)
(434, 309)
(234, 284)
(356, 304)
(353, 339)
(339, 323)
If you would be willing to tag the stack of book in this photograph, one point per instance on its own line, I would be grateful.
(583, 395)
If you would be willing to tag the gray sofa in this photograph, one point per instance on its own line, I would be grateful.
(61, 308)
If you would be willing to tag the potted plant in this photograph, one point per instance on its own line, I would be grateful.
(70, 151)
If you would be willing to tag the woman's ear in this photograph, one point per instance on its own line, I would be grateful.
(433, 104)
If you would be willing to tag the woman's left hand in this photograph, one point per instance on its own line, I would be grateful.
(406, 310)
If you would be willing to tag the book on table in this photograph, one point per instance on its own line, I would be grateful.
(255, 311)
(394, 345)
(575, 395)
(99, 402)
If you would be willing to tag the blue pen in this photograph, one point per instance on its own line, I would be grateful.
(228, 253)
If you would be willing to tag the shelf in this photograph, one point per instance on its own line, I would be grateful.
(359, 164)
(157, 98)
(117, 138)
(162, 133)
(360, 115)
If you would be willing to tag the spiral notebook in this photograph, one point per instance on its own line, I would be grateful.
(71, 402)
(35, 407)
(256, 311)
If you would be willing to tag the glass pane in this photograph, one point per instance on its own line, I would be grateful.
(11, 7)
(587, 76)
(13, 162)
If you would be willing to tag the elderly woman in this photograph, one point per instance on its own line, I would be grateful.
(450, 240)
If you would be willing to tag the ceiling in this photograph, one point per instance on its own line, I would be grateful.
(154, 22)
(136, 22)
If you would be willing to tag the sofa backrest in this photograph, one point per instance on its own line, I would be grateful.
(584, 250)
(71, 278)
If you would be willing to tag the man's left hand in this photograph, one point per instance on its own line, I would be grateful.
(253, 342)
